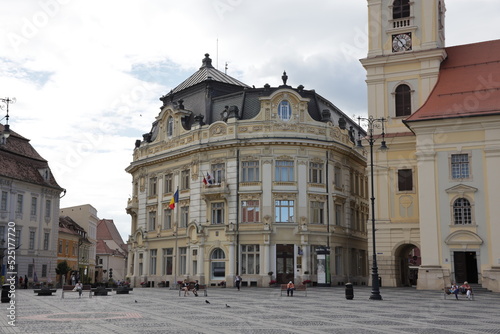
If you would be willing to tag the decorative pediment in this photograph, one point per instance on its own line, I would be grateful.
(461, 189)
(463, 237)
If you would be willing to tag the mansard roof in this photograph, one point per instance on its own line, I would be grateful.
(20, 161)
(468, 84)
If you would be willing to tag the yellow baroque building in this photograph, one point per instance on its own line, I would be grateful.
(258, 182)
(436, 187)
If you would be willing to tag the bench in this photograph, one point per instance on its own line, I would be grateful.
(298, 287)
(45, 291)
(191, 287)
(461, 292)
(123, 290)
(69, 288)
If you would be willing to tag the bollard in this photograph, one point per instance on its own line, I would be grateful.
(349, 292)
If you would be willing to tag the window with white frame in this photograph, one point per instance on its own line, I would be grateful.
(217, 213)
(185, 179)
(284, 171)
(170, 126)
(168, 183)
(218, 173)
(317, 212)
(167, 219)
(462, 212)
(48, 208)
(32, 240)
(284, 110)
(152, 220)
(18, 237)
(184, 216)
(168, 261)
(460, 168)
(152, 261)
(3, 201)
(182, 260)
(34, 202)
(250, 259)
(250, 211)
(284, 211)
(315, 172)
(19, 204)
(152, 186)
(250, 171)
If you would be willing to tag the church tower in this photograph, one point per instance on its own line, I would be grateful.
(405, 51)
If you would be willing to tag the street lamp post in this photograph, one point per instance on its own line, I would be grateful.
(372, 124)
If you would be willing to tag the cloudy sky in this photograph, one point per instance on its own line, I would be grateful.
(87, 74)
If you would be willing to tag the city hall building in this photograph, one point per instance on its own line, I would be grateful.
(258, 182)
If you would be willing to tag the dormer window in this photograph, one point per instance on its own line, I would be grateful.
(170, 126)
(284, 110)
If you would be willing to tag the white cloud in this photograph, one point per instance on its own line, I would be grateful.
(88, 74)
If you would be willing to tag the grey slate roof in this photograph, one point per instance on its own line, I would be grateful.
(207, 72)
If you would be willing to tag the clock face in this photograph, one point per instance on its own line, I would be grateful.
(401, 42)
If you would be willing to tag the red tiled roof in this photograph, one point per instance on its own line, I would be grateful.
(20, 161)
(106, 230)
(468, 84)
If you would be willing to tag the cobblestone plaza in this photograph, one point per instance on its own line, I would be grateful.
(254, 310)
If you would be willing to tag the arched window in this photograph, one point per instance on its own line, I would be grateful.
(462, 212)
(218, 264)
(170, 126)
(284, 110)
(403, 101)
(400, 9)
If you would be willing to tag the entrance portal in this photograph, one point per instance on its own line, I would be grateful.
(465, 267)
(284, 263)
(407, 261)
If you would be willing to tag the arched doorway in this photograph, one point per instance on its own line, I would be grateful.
(218, 265)
(407, 261)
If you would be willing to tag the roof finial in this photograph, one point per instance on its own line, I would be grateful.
(207, 62)
(284, 77)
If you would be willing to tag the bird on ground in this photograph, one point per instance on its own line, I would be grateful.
(206, 301)
(136, 301)
(227, 305)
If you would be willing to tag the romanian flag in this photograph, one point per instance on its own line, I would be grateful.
(205, 180)
(174, 200)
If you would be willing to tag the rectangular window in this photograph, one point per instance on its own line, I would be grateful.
(338, 176)
(152, 220)
(283, 211)
(338, 214)
(32, 240)
(185, 179)
(317, 212)
(168, 261)
(33, 206)
(315, 172)
(250, 171)
(217, 213)
(67, 248)
(3, 201)
(182, 260)
(184, 216)
(152, 186)
(19, 206)
(250, 211)
(30, 270)
(250, 259)
(60, 246)
(339, 267)
(405, 180)
(169, 186)
(44, 270)
(218, 173)
(167, 219)
(48, 208)
(152, 261)
(284, 171)
(18, 237)
(460, 166)
(2, 233)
